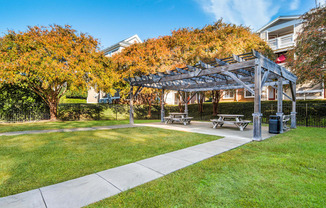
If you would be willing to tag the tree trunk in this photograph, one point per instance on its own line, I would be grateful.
(149, 109)
(53, 110)
(51, 98)
(149, 99)
(200, 100)
(215, 99)
(180, 103)
(181, 107)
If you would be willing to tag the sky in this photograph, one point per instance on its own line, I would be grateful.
(111, 21)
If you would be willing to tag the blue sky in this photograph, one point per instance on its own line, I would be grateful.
(113, 20)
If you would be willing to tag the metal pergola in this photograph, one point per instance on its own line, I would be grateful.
(250, 71)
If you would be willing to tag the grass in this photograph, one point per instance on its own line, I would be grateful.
(42, 125)
(64, 99)
(287, 170)
(33, 161)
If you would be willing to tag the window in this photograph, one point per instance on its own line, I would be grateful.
(271, 93)
(110, 53)
(228, 94)
(248, 94)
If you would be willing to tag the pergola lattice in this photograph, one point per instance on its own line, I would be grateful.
(250, 71)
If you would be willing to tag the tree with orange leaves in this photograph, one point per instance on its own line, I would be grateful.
(51, 60)
(185, 46)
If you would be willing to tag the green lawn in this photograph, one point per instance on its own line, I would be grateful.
(287, 170)
(7, 127)
(32, 161)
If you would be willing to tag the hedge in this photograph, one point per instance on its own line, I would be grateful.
(121, 111)
(308, 112)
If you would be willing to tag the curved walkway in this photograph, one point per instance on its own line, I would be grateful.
(95, 187)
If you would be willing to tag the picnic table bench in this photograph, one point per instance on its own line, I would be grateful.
(230, 119)
(178, 117)
(286, 118)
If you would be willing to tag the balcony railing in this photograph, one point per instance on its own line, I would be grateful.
(281, 42)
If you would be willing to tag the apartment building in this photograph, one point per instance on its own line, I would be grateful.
(94, 96)
(280, 34)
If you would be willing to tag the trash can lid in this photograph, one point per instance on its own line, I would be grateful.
(274, 117)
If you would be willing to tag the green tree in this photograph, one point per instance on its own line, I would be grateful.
(51, 60)
(308, 58)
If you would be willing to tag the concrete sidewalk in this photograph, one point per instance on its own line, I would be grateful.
(203, 127)
(95, 187)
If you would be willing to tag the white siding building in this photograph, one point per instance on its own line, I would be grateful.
(96, 97)
(281, 34)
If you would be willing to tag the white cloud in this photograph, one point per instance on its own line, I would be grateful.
(253, 13)
(321, 2)
(294, 4)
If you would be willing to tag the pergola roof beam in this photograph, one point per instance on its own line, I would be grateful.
(215, 70)
(139, 89)
(182, 71)
(274, 68)
(185, 72)
(205, 65)
(265, 77)
(220, 62)
(286, 95)
(237, 58)
(209, 84)
(223, 87)
(192, 96)
(235, 78)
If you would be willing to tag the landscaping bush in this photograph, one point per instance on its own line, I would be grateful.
(71, 112)
(76, 94)
(18, 103)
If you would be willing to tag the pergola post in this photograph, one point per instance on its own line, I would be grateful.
(293, 112)
(257, 104)
(162, 107)
(131, 112)
(280, 101)
(186, 103)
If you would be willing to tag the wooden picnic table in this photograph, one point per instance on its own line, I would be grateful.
(230, 116)
(178, 114)
(179, 117)
(230, 119)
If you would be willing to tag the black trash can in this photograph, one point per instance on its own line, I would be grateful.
(274, 124)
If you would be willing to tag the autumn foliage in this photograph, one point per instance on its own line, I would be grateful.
(185, 46)
(51, 60)
(308, 58)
